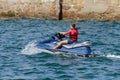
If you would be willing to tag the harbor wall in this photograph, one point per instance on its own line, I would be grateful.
(68, 9)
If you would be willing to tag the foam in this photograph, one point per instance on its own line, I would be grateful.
(112, 56)
(31, 49)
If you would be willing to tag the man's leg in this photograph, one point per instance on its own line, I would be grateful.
(60, 44)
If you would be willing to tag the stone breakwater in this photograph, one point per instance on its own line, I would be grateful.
(60, 9)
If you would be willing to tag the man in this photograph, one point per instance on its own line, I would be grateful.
(73, 36)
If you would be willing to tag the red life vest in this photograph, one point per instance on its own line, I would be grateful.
(73, 34)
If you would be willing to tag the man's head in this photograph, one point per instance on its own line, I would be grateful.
(72, 26)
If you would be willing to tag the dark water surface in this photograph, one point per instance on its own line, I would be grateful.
(19, 59)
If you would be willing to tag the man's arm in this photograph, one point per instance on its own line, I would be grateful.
(62, 33)
(68, 32)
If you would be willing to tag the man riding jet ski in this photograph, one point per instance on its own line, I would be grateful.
(69, 45)
(73, 36)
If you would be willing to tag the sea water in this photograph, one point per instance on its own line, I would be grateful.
(20, 59)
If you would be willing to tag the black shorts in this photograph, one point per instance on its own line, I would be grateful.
(69, 41)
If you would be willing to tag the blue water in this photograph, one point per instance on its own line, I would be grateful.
(21, 60)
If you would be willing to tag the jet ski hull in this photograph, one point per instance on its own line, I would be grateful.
(79, 48)
(50, 43)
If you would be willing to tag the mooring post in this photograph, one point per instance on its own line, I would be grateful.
(59, 10)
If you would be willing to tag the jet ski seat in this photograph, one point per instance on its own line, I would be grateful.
(77, 44)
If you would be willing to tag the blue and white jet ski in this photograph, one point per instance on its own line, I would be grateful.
(82, 49)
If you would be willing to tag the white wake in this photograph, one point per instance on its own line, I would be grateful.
(32, 49)
(113, 56)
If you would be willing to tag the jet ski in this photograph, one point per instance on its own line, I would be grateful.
(82, 49)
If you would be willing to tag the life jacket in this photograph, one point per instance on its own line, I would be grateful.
(73, 34)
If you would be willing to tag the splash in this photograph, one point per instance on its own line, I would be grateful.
(31, 49)
(113, 56)
(108, 55)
